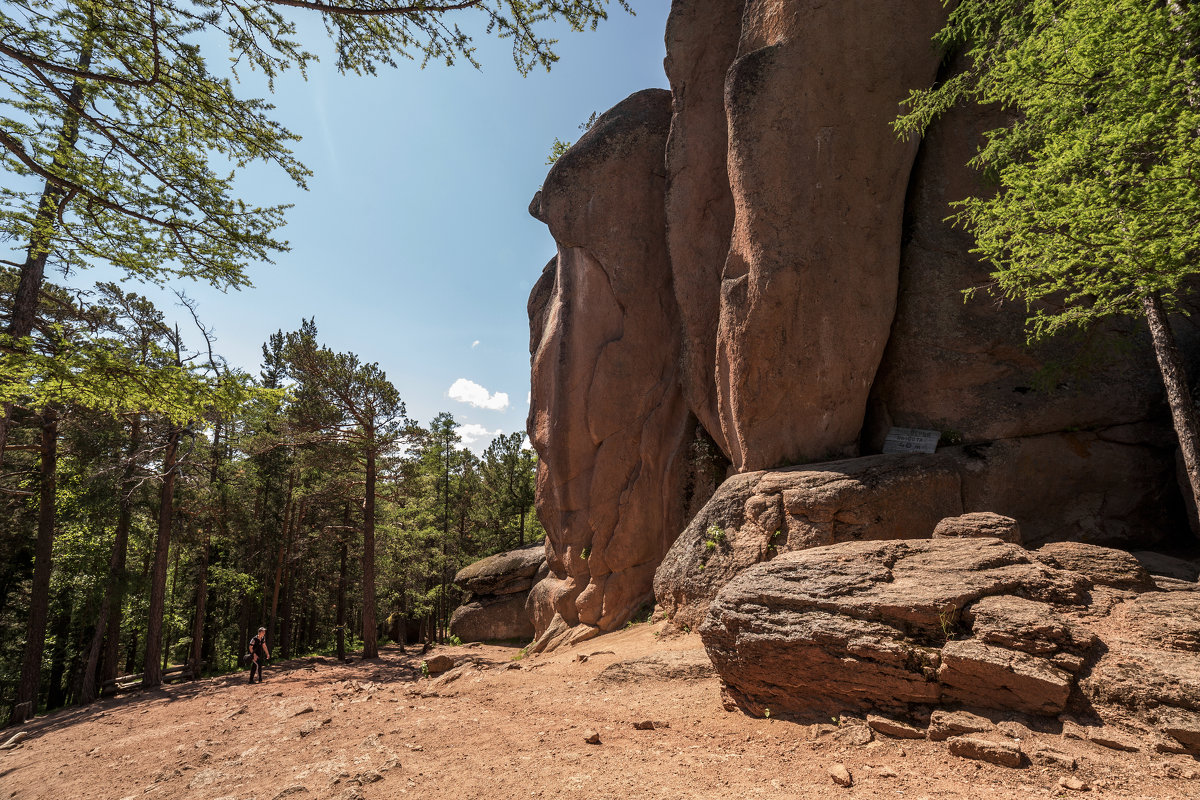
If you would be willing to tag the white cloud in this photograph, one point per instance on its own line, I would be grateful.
(526, 444)
(474, 344)
(473, 434)
(465, 391)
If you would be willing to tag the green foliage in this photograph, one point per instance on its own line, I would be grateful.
(1098, 206)
(559, 147)
(714, 537)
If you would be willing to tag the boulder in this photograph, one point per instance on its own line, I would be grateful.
(503, 573)
(436, 665)
(979, 523)
(491, 618)
(944, 724)
(1000, 753)
(873, 626)
(611, 461)
(818, 178)
(755, 516)
(901, 627)
(1103, 566)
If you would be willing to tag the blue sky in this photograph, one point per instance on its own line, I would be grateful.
(413, 246)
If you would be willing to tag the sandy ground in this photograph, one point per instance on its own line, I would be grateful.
(498, 728)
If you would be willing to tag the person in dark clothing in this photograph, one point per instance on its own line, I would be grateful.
(259, 653)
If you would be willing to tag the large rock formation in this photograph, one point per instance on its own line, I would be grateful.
(702, 41)
(776, 277)
(818, 180)
(498, 591)
(1088, 488)
(906, 627)
(607, 416)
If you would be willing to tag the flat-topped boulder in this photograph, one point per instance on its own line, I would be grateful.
(503, 573)
(903, 627)
(979, 523)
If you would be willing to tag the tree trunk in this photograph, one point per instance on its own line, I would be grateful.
(151, 669)
(56, 694)
(1179, 396)
(25, 702)
(108, 624)
(370, 645)
(195, 657)
(341, 590)
(284, 547)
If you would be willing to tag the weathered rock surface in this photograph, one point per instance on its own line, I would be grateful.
(865, 625)
(818, 179)
(962, 365)
(503, 573)
(1110, 487)
(491, 618)
(1114, 488)
(757, 515)
(611, 471)
(1100, 565)
(904, 626)
(979, 523)
(702, 41)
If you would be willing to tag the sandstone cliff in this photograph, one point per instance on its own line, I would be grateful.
(754, 262)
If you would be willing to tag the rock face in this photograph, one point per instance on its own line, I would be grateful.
(754, 261)
(498, 588)
(818, 179)
(607, 416)
(980, 623)
(1114, 494)
(756, 516)
(963, 365)
(702, 41)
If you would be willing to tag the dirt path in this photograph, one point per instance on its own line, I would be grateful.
(499, 728)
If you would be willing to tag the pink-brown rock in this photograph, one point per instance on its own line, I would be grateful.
(757, 515)
(963, 365)
(979, 523)
(873, 624)
(818, 177)
(702, 41)
(1103, 566)
(1107, 487)
(607, 417)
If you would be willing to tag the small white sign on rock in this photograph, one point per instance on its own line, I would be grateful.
(911, 440)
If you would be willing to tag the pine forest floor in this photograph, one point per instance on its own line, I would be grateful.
(495, 728)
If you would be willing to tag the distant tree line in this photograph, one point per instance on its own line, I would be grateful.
(303, 500)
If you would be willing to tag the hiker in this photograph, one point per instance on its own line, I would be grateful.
(258, 654)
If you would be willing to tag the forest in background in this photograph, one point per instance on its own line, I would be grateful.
(247, 501)
(159, 506)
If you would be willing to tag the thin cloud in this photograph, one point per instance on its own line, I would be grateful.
(465, 391)
(473, 434)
